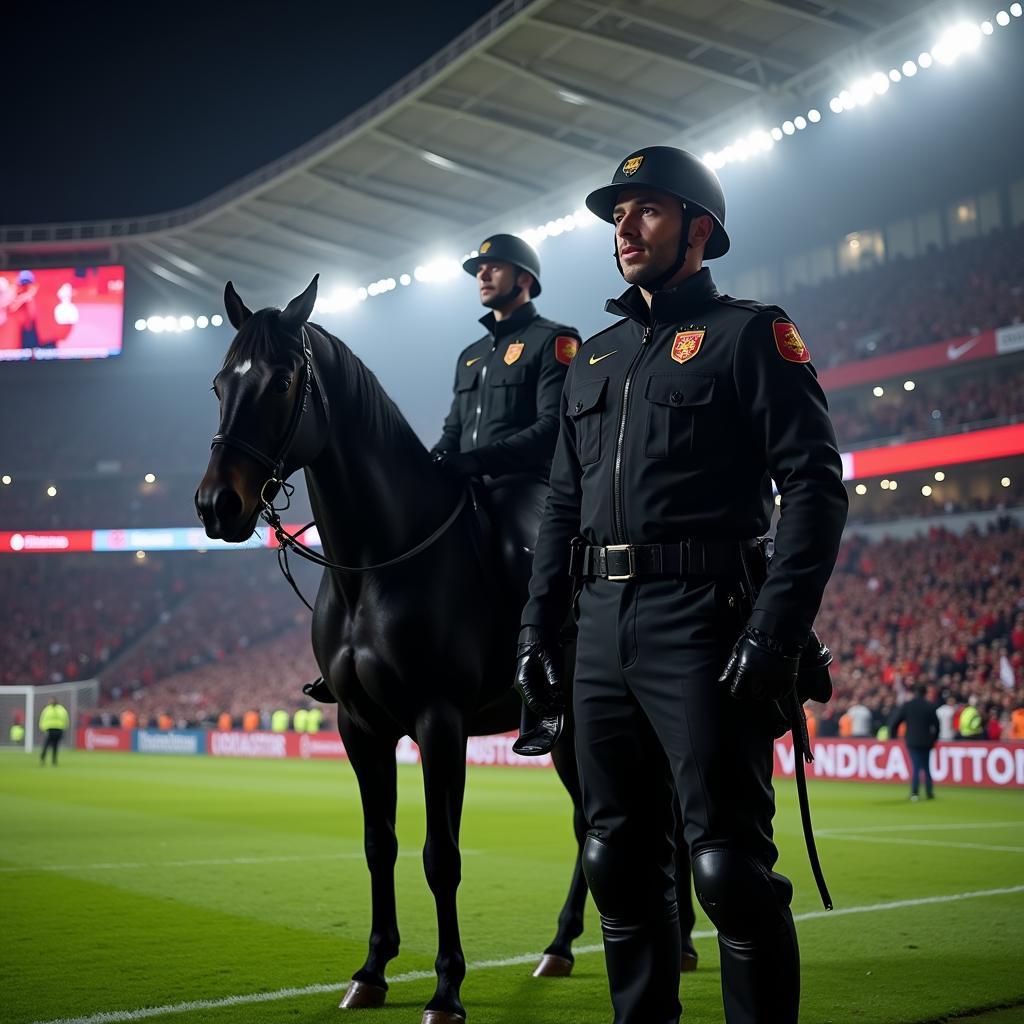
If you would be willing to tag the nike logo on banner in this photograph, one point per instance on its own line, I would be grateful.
(954, 352)
(470, 362)
(597, 359)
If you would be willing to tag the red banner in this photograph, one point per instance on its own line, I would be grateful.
(995, 443)
(912, 360)
(952, 764)
(91, 738)
(42, 541)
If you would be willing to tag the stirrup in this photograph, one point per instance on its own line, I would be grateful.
(318, 690)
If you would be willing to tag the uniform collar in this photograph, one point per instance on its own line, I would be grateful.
(667, 307)
(520, 317)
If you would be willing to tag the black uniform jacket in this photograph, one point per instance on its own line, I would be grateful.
(922, 722)
(674, 421)
(508, 387)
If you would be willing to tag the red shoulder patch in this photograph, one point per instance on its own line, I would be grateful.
(789, 343)
(566, 347)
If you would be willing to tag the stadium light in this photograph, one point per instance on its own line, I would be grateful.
(939, 476)
(909, 385)
(884, 484)
(892, 485)
(150, 478)
(6, 479)
(959, 38)
(51, 491)
(926, 491)
(861, 488)
(878, 391)
(1005, 481)
(140, 555)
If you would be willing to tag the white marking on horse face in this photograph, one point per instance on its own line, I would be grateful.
(243, 368)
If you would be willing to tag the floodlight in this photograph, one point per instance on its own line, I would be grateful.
(800, 123)
(155, 324)
(202, 322)
(879, 83)
(909, 68)
(894, 76)
(140, 324)
(216, 320)
(186, 323)
(776, 134)
(835, 105)
(924, 60)
(1002, 19)
(814, 116)
(405, 280)
(788, 127)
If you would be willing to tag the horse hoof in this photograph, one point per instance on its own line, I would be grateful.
(442, 1017)
(553, 966)
(361, 996)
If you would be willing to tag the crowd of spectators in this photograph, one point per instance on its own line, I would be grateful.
(990, 395)
(942, 610)
(973, 286)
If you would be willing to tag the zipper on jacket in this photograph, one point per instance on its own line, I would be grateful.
(480, 393)
(619, 524)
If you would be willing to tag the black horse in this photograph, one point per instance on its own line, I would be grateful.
(415, 639)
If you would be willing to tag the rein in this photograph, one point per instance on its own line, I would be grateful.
(271, 514)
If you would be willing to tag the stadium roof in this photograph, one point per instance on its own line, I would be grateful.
(506, 126)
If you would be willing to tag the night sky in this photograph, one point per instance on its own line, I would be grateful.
(115, 109)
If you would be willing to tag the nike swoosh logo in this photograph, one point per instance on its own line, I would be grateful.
(956, 351)
(470, 362)
(597, 359)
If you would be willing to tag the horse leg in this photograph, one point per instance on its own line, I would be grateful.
(441, 734)
(373, 760)
(558, 960)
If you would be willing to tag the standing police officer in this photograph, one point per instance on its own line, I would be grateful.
(503, 421)
(674, 422)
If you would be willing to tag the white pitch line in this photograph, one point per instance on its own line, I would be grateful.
(927, 842)
(119, 1016)
(919, 828)
(206, 862)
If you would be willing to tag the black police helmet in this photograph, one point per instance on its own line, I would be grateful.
(508, 249)
(676, 172)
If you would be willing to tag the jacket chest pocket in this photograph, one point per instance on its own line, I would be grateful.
(679, 414)
(586, 406)
(467, 391)
(510, 396)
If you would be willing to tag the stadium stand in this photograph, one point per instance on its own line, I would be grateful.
(969, 287)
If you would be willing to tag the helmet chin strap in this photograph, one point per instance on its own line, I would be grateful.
(659, 282)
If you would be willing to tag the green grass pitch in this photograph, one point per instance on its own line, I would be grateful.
(129, 882)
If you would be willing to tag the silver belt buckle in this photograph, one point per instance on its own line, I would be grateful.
(631, 559)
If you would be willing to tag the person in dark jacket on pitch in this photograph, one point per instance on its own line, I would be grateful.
(922, 731)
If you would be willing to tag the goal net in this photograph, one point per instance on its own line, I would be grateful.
(20, 707)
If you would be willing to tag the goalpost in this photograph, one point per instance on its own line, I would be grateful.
(23, 704)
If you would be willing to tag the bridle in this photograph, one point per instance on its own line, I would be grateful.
(271, 513)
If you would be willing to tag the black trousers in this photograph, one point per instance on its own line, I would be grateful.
(919, 766)
(52, 742)
(649, 714)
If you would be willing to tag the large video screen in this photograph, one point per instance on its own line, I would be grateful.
(69, 313)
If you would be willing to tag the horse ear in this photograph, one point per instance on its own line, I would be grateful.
(298, 311)
(238, 311)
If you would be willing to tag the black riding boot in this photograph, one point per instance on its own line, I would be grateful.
(642, 958)
(537, 735)
(761, 981)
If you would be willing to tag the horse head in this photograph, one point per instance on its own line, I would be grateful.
(273, 414)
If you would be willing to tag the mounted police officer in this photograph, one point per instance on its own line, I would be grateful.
(674, 422)
(503, 421)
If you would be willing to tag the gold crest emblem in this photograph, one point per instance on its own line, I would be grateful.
(484, 247)
(686, 345)
(513, 352)
(632, 165)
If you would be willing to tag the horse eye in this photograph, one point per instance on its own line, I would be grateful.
(282, 384)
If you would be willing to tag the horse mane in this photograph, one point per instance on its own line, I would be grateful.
(261, 338)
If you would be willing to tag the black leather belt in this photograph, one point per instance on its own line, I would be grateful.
(690, 557)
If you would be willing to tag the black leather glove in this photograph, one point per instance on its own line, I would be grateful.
(760, 668)
(813, 681)
(458, 465)
(537, 679)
